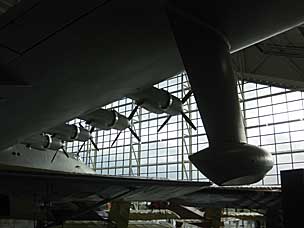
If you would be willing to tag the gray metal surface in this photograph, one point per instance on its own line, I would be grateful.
(87, 55)
(234, 197)
(26, 189)
(21, 157)
(65, 189)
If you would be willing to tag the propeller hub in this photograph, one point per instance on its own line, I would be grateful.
(121, 123)
(235, 164)
(174, 107)
(83, 135)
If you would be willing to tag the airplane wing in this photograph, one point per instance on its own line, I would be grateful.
(250, 197)
(41, 195)
(64, 196)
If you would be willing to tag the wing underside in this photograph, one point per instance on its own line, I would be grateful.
(53, 195)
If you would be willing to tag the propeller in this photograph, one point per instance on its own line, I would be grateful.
(91, 139)
(130, 129)
(64, 151)
(185, 98)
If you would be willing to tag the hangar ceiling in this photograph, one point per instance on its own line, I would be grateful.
(278, 61)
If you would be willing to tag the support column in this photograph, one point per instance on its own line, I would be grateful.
(274, 218)
(214, 215)
(206, 57)
(119, 214)
(292, 197)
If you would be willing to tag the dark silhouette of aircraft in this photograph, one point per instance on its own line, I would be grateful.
(61, 59)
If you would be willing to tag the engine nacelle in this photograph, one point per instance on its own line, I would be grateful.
(104, 119)
(70, 133)
(158, 101)
(42, 142)
(174, 107)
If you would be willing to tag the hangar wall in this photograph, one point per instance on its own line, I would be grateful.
(273, 118)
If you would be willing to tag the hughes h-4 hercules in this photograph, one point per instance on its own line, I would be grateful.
(65, 59)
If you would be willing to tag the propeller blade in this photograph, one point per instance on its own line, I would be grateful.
(94, 144)
(92, 129)
(80, 149)
(66, 153)
(164, 123)
(134, 133)
(80, 124)
(116, 138)
(188, 120)
(187, 96)
(133, 112)
(54, 156)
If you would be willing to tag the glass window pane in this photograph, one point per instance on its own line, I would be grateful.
(298, 157)
(293, 96)
(251, 104)
(271, 180)
(297, 146)
(250, 94)
(298, 165)
(297, 135)
(282, 147)
(252, 122)
(267, 130)
(275, 90)
(264, 91)
(251, 113)
(264, 101)
(284, 167)
(279, 108)
(296, 115)
(270, 148)
(281, 127)
(284, 158)
(266, 120)
(249, 86)
(283, 117)
(295, 105)
(265, 111)
(298, 125)
(267, 139)
(254, 141)
(279, 98)
(253, 132)
(281, 138)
